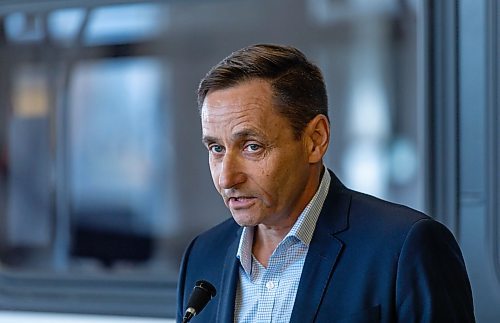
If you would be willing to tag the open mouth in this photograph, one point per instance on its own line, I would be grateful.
(240, 202)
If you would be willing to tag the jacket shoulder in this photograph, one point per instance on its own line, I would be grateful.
(222, 232)
(372, 211)
(209, 248)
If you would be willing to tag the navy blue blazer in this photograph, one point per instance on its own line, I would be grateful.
(369, 261)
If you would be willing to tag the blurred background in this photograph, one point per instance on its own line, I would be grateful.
(103, 176)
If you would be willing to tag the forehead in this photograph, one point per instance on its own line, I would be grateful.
(246, 105)
(248, 93)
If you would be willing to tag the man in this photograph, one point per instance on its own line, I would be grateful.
(300, 246)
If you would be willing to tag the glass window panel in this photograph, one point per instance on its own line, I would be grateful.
(64, 25)
(125, 23)
(24, 27)
(29, 183)
(115, 147)
(28, 162)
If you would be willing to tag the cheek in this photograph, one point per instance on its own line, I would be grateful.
(283, 172)
(214, 171)
(271, 175)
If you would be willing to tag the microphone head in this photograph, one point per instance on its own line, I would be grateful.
(202, 293)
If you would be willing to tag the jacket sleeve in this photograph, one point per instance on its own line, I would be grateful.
(181, 283)
(432, 283)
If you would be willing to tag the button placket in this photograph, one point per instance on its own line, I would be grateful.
(270, 285)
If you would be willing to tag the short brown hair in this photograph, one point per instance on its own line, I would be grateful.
(297, 84)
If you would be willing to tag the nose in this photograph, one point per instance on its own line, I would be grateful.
(231, 172)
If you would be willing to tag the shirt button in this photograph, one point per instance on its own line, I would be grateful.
(270, 285)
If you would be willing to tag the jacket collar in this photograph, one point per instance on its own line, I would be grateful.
(229, 280)
(318, 267)
(323, 253)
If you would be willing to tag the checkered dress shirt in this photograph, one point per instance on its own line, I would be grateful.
(268, 294)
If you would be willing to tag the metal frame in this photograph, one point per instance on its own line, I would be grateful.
(443, 104)
(28, 6)
(493, 113)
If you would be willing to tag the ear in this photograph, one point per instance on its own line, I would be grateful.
(317, 136)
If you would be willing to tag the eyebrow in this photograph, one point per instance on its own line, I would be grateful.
(208, 139)
(245, 133)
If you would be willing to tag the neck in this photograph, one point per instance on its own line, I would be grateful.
(265, 241)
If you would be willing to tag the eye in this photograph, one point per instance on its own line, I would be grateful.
(216, 149)
(253, 147)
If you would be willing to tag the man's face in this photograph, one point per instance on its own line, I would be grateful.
(260, 169)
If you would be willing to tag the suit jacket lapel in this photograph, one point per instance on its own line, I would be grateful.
(323, 253)
(229, 279)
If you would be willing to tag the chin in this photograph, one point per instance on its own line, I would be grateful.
(243, 223)
(244, 220)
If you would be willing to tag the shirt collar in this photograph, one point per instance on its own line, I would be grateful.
(303, 228)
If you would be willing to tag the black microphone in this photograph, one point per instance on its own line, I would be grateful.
(202, 293)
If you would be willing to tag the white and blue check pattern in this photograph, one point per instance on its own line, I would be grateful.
(268, 294)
